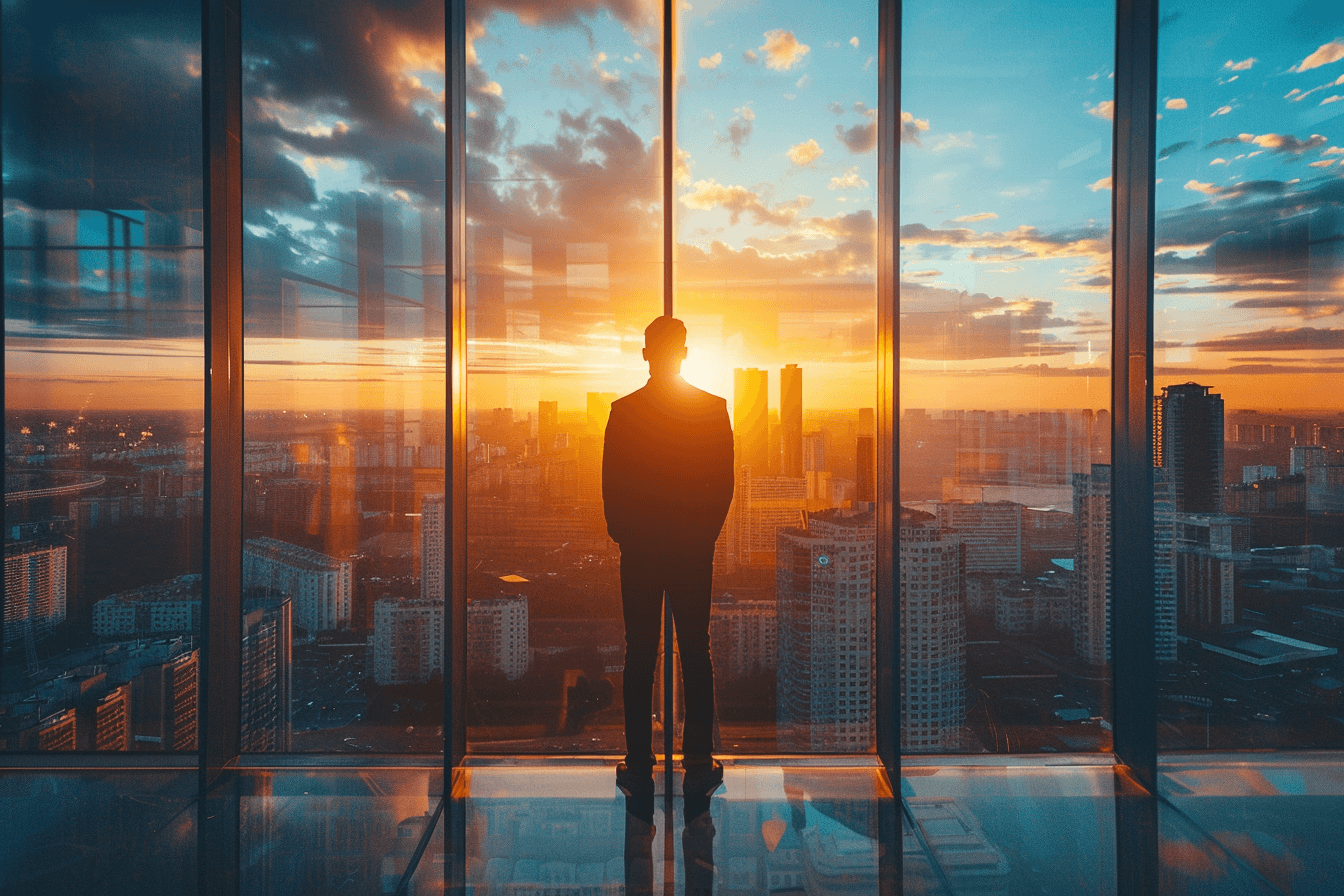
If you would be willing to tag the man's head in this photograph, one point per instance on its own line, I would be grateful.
(665, 346)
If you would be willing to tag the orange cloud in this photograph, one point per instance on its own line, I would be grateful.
(1324, 55)
(1206, 189)
(805, 153)
(782, 50)
(1177, 103)
(739, 201)
(711, 62)
(1241, 66)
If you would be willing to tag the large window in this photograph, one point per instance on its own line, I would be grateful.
(1005, 341)
(103, 378)
(1248, 432)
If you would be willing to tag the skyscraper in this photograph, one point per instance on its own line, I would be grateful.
(432, 522)
(34, 589)
(1188, 443)
(824, 590)
(267, 675)
(407, 640)
(751, 410)
(791, 420)
(1092, 565)
(319, 585)
(497, 635)
(933, 637)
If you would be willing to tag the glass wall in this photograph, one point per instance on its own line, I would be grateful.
(1248, 423)
(776, 280)
(564, 271)
(343, 511)
(103, 377)
(1004, 383)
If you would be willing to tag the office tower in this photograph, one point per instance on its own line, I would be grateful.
(1092, 565)
(791, 420)
(744, 636)
(548, 424)
(497, 636)
(1207, 549)
(991, 532)
(1322, 472)
(104, 723)
(762, 505)
(433, 541)
(407, 640)
(319, 585)
(164, 702)
(168, 607)
(824, 592)
(933, 637)
(1164, 568)
(751, 419)
(814, 451)
(34, 590)
(865, 457)
(267, 663)
(1188, 442)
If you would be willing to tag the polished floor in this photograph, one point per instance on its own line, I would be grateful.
(1029, 825)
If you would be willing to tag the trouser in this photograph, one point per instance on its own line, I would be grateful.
(685, 575)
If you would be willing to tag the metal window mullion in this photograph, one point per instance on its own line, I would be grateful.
(1132, 568)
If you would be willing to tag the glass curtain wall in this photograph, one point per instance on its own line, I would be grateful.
(104, 324)
(343, 508)
(564, 271)
(1248, 424)
(1004, 381)
(775, 184)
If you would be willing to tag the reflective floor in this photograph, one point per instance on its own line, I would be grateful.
(1257, 825)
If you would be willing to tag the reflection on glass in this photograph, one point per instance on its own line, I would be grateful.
(564, 272)
(103, 378)
(1248, 434)
(776, 280)
(1004, 429)
(343, 518)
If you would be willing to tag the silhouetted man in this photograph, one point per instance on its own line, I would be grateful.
(667, 481)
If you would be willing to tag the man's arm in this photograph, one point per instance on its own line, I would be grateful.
(616, 475)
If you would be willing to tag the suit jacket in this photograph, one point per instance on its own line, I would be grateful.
(667, 466)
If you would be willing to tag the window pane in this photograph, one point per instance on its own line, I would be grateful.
(564, 243)
(776, 280)
(1249, 438)
(103, 377)
(344, 323)
(1005, 336)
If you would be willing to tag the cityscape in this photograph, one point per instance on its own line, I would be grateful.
(1004, 562)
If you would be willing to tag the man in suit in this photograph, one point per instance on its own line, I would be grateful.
(667, 481)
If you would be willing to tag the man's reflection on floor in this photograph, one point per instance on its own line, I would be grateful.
(697, 844)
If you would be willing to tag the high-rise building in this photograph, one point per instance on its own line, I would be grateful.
(407, 640)
(168, 607)
(165, 699)
(319, 585)
(267, 663)
(35, 574)
(762, 505)
(1092, 565)
(1188, 442)
(933, 637)
(548, 424)
(1164, 568)
(744, 635)
(751, 419)
(824, 592)
(432, 543)
(791, 420)
(497, 635)
(1207, 548)
(991, 532)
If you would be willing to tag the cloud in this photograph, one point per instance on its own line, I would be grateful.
(1331, 99)
(953, 141)
(1279, 340)
(850, 180)
(911, 128)
(781, 50)
(1206, 189)
(854, 42)
(1177, 103)
(1221, 110)
(805, 153)
(1103, 184)
(1220, 162)
(739, 130)
(749, 56)
(739, 201)
(1241, 66)
(980, 216)
(711, 62)
(1324, 55)
(1169, 151)
(945, 324)
(1011, 245)
(1284, 143)
(1105, 110)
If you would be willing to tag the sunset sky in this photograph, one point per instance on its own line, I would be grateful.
(1005, 204)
